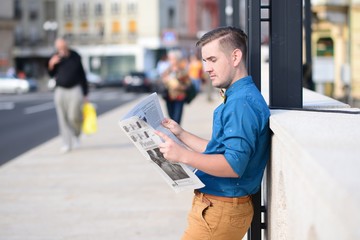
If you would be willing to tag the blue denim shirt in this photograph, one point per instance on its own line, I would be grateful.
(241, 133)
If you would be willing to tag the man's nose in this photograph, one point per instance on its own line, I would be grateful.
(207, 68)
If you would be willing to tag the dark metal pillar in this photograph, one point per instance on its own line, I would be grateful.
(253, 29)
(254, 40)
(307, 71)
(234, 18)
(222, 14)
(286, 54)
(236, 13)
(307, 26)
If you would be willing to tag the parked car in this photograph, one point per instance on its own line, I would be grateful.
(113, 80)
(139, 81)
(93, 79)
(33, 85)
(9, 84)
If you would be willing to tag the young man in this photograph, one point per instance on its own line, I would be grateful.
(232, 163)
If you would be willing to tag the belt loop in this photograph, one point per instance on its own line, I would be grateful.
(201, 196)
(235, 201)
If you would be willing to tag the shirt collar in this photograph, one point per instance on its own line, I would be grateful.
(237, 85)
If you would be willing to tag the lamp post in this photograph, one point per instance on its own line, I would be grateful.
(50, 27)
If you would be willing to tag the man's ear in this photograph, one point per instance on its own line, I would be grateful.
(236, 57)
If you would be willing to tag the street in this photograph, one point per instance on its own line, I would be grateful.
(29, 120)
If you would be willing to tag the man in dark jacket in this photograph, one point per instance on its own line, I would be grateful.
(71, 91)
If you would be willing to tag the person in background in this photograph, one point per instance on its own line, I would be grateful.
(231, 164)
(11, 72)
(176, 81)
(21, 74)
(162, 65)
(70, 92)
(196, 71)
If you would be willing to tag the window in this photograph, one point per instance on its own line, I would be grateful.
(98, 9)
(115, 27)
(49, 12)
(132, 26)
(84, 26)
(17, 9)
(19, 35)
(33, 15)
(100, 28)
(171, 18)
(84, 9)
(115, 8)
(68, 26)
(33, 10)
(132, 7)
(68, 10)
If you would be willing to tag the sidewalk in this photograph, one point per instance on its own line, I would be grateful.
(103, 190)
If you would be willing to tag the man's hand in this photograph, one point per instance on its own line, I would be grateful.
(192, 141)
(173, 126)
(172, 151)
(53, 61)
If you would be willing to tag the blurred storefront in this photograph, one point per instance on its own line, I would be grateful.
(7, 25)
(335, 51)
(34, 34)
(355, 48)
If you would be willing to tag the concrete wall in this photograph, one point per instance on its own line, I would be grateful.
(313, 183)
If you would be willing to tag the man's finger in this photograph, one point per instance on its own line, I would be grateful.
(162, 135)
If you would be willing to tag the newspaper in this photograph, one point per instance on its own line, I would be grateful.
(139, 124)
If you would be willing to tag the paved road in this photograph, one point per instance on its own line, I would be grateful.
(29, 120)
(105, 189)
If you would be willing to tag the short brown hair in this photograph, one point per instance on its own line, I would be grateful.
(230, 38)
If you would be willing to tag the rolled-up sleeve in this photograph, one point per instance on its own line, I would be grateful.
(240, 133)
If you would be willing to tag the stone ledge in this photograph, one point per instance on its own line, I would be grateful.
(314, 187)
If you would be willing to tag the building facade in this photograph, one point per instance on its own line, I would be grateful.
(112, 36)
(7, 25)
(33, 37)
(336, 50)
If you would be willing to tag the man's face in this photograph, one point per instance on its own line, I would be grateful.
(172, 60)
(217, 64)
(61, 48)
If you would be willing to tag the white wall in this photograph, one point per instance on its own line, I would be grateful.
(314, 183)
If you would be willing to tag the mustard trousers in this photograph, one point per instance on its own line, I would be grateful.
(218, 220)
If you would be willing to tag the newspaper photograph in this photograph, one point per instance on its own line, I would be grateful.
(139, 124)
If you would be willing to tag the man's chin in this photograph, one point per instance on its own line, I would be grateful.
(215, 85)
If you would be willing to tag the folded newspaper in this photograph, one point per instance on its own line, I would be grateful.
(139, 124)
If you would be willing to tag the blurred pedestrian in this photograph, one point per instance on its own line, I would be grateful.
(10, 72)
(21, 74)
(70, 93)
(162, 65)
(196, 71)
(176, 81)
(231, 164)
